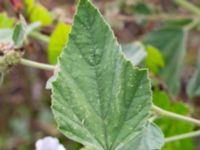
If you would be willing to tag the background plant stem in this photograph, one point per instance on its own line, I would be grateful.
(189, 6)
(182, 136)
(40, 36)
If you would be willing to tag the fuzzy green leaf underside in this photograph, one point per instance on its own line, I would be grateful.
(99, 98)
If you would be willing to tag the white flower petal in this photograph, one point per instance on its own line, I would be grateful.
(49, 143)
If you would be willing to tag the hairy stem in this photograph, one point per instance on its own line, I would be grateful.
(162, 112)
(182, 136)
(189, 6)
(38, 65)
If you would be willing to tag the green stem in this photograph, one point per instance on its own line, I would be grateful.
(39, 36)
(182, 136)
(162, 112)
(154, 17)
(37, 65)
(187, 5)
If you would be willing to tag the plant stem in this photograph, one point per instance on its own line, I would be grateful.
(187, 5)
(182, 136)
(162, 112)
(37, 65)
(153, 17)
(39, 36)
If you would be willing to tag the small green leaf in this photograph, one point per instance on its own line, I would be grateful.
(172, 44)
(99, 98)
(171, 128)
(58, 40)
(19, 33)
(30, 4)
(193, 88)
(22, 30)
(154, 59)
(37, 12)
(135, 52)
(5, 21)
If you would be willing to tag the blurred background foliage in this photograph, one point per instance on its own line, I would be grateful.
(168, 32)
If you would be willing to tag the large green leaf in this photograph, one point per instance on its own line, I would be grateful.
(99, 98)
(171, 42)
(193, 88)
(170, 127)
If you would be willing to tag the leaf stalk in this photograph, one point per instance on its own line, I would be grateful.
(38, 65)
(165, 113)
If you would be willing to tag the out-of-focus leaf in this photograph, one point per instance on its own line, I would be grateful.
(178, 23)
(37, 12)
(154, 59)
(142, 8)
(5, 21)
(20, 33)
(19, 125)
(6, 35)
(22, 30)
(135, 52)
(99, 98)
(172, 44)
(193, 88)
(171, 128)
(57, 41)
(152, 138)
(32, 27)
(30, 4)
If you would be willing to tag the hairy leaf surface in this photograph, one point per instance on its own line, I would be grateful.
(99, 98)
(151, 138)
